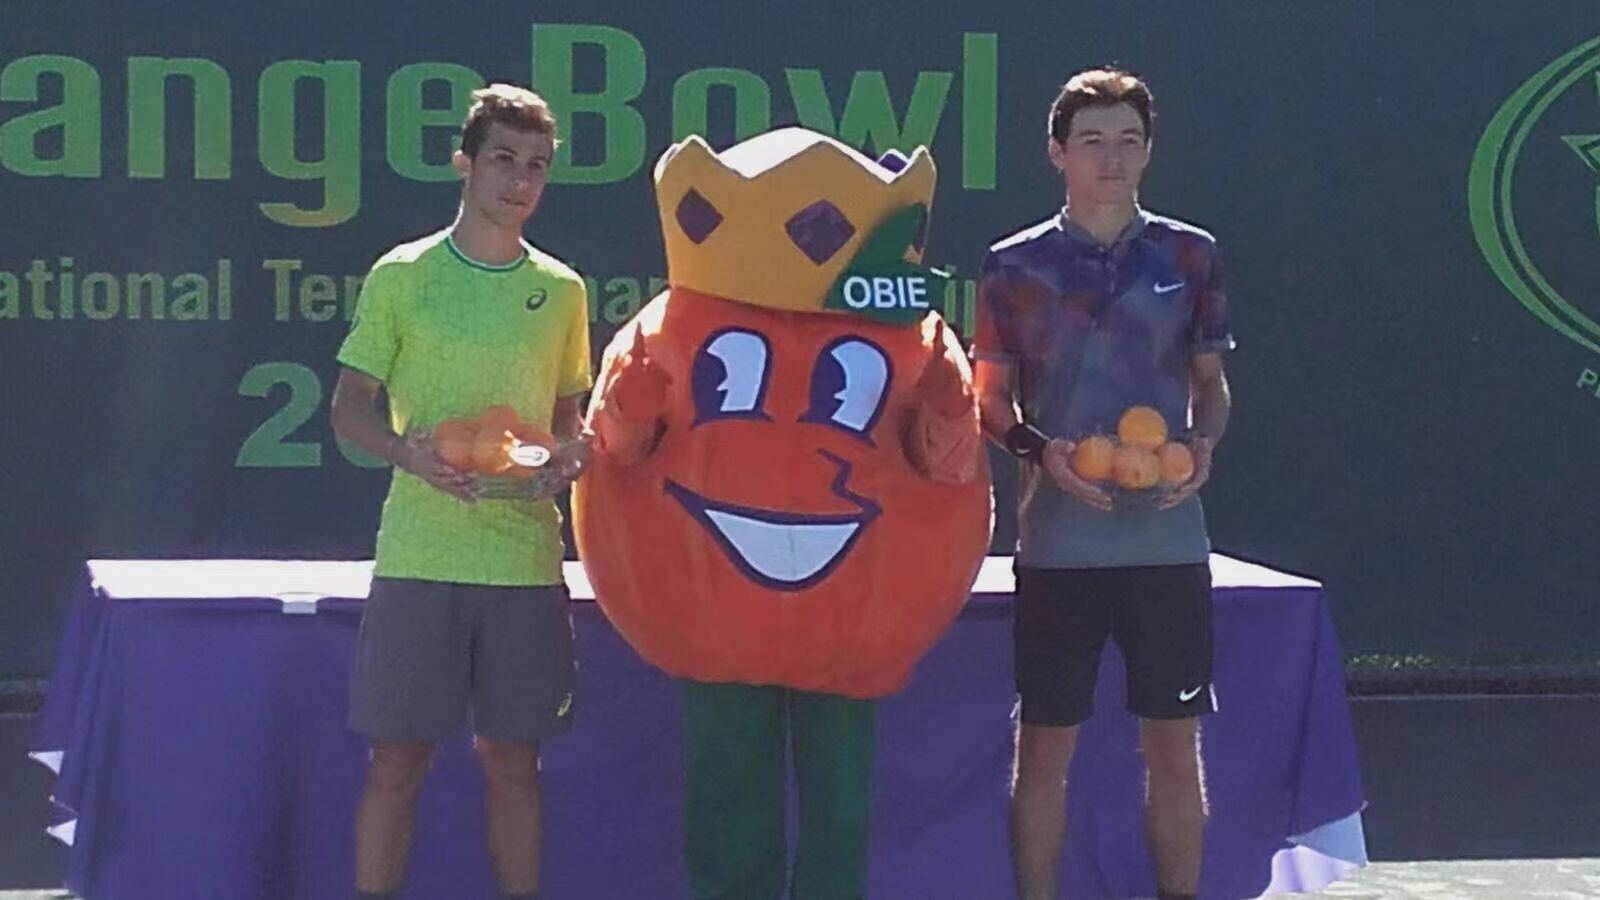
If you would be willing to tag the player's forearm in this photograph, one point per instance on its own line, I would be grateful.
(1213, 403)
(360, 423)
(566, 420)
(997, 409)
(999, 415)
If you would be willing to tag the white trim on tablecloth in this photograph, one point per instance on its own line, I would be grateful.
(1320, 857)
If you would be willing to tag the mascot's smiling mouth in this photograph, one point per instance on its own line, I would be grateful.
(783, 551)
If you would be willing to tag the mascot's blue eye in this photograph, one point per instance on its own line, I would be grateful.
(849, 385)
(730, 376)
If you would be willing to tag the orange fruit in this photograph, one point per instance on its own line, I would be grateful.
(1177, 463)
(1142, 426)
(491, 450)
(532, 434)
(1093, 459)
(502, 417)
(1136, 468)
(453, 440)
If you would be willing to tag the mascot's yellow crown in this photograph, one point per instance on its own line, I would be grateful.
(774, 220)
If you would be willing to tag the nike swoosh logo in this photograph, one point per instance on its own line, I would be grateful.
(1186, 696)
(1168, 288)
(536, 300)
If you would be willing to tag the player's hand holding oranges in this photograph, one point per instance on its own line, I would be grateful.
(419, 452)
(1198, 460)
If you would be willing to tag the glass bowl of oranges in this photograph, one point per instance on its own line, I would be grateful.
(494, 442)
(1140, 464)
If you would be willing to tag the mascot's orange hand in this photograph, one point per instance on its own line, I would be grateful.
(628, 415)
(639, 387)
(942, 436)
(942, 389)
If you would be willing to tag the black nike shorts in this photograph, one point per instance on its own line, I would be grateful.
(1160, 617)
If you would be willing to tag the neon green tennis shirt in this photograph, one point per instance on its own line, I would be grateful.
(450, 337)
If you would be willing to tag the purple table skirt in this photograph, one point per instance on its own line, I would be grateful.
(199, 735)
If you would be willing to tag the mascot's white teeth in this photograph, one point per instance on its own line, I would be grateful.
(783, 551)
(789, 553)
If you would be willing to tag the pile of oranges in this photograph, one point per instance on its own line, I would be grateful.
(1139, 458)
(494, 442)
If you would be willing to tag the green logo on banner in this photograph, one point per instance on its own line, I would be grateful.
(1490, 194)
(881, 284)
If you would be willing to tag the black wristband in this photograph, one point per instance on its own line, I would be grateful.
(1025, 441)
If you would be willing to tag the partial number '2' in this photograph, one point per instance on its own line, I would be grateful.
(268, 446)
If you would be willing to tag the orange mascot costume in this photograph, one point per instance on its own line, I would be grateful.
(789, 501)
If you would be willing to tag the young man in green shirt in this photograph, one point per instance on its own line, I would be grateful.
(467, 611)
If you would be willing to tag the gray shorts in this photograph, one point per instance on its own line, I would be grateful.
(432, 651)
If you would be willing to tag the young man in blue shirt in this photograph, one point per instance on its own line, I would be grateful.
(1099, 308)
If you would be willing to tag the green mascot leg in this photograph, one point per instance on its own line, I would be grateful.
(834, 740)
(733, 740)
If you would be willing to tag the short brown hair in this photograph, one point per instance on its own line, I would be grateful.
(507, 104)
(1100, 87)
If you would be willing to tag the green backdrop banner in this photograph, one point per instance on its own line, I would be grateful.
(1407, 198)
